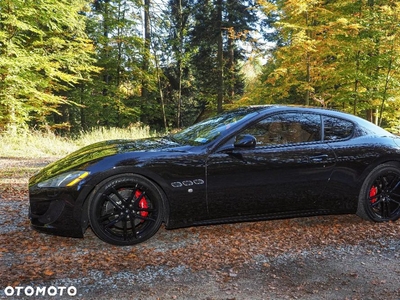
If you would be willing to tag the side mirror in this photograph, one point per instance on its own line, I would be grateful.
(245, 141)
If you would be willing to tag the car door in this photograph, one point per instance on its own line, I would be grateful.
(286, 171)
(341, 194)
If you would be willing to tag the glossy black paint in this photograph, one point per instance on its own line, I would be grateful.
(228, 178)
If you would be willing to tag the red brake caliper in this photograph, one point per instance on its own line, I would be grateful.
(372, 193)
(142, 204)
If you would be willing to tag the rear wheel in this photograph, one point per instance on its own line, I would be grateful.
(126, 209)
(379, 198)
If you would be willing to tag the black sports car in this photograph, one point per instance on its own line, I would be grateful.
(253, 163)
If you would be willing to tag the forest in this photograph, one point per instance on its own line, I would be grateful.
(72, 65)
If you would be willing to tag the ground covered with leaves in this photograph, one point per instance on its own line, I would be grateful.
(329, 257)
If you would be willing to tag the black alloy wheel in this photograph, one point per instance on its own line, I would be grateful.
(126, 209)
(379, 198)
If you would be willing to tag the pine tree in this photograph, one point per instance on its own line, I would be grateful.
(220, 30)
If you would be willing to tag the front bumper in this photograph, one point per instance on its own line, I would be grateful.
(55, 212)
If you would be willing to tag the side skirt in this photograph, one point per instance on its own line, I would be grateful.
(262, 217)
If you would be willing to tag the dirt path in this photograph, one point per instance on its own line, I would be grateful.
(332, 257)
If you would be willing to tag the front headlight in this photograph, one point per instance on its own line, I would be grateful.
(64, 180)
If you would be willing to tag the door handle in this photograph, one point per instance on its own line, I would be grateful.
(319, 158)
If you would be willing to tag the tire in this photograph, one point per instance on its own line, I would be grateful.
(379, 198)
(126, 209)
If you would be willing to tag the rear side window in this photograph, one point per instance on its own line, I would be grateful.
(337, 129)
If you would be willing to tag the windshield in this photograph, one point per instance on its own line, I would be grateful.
(208, 130)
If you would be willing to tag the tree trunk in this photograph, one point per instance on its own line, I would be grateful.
(231, 66)
(356, 84)
(179, 62)
(307, 97)
(147, 43)
(220, 58)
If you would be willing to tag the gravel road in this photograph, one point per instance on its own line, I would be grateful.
(330, 257)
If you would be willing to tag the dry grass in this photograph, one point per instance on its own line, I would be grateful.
(36, 144)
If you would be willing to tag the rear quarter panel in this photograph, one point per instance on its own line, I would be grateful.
(355, 159)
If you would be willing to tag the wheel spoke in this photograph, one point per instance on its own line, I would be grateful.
(395, 211)
(383, 180)
(144, 218)
(377, 196)
(393, 207)
(105, 217)
(395, 195)
(131, 196)
(384, 210)
(134, 231)
(394, 184)
(133, 227)
(378, 202)
(391, 199)
(116, 193)
(113, 222)
(112, 201)
(125, 229)
(149, 210)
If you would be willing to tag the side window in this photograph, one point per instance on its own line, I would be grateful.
(337, 129)
(286, 128)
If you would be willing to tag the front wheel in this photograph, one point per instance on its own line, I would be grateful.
(379, 198)
(126, 209)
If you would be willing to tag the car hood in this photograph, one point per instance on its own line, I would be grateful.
(89, 155)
